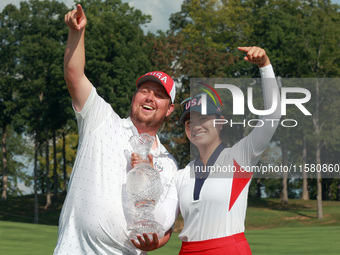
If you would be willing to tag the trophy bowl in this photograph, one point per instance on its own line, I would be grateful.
(144, 188)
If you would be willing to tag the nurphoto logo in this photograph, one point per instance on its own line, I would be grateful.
(295, 96)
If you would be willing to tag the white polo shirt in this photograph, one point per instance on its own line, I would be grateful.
(218, 208)
(96, 211)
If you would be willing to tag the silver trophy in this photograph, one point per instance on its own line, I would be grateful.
(144, 188)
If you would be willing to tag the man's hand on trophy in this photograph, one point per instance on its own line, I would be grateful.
(146, 244)
(136, 158)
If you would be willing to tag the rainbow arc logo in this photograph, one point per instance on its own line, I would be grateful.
(204, 87)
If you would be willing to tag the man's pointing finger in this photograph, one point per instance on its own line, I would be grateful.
(244, 49)
(79, 11)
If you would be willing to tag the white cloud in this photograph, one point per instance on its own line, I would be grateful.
(160, 12)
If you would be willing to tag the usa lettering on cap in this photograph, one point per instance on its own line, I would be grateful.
(162, 78)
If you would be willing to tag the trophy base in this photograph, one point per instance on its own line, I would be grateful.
(146, 227)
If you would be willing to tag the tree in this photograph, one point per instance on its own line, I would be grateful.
(310, 27)
(40, 61)
(319, 39)
(18, 157)
(64, 161)
(201, 43)
(37, 68)
(8, 82)
(305, 193)
(218, 24)
(116, 53)
(47, 162)
(181, 60)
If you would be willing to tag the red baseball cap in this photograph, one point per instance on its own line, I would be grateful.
(161, 78)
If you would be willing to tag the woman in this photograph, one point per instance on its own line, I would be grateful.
(214, 208)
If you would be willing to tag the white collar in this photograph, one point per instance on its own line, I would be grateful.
(127, 123)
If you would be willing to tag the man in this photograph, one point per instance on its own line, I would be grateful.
(95, 214)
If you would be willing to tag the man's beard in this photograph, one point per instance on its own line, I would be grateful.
(147, 122)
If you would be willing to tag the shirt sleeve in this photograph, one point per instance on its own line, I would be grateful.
(165, 211)
(264, 131)
(93, 114)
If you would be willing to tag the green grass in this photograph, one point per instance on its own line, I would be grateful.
(30, 239)
(27, 239)
(322, 240)
(319, 240)
(261, 213)
(271, 213)
(271, 228)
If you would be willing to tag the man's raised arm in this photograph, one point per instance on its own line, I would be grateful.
(74, 59)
